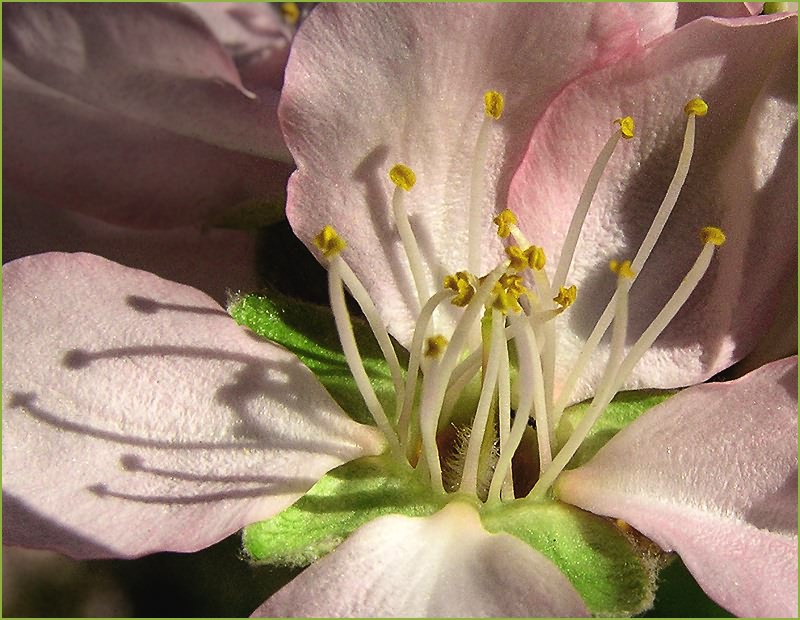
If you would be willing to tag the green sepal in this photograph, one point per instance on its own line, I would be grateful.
(342, 501)
(614, 577)
(624, 409)
(309, 331)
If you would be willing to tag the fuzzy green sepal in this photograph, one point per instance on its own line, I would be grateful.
(342, 501)
(309, 331)
(612, 573)
(624, 409)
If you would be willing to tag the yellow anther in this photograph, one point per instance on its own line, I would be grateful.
(517, 257)
(626, 126)
(622, 269)
(566, 296)
(507, 291)
(493, 103)
(329, 242)
(402, 176)
(712, 234)
(461, 285)
(504, 222)
(536, 257)
(290, 12)
(696, 106)
(435, 345)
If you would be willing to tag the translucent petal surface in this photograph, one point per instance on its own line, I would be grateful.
(712, 474)
(445, 565)
(139, 417)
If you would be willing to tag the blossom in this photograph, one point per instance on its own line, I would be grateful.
(142, 335)
(161, 117)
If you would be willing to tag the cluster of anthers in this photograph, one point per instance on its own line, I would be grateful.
(507, 331)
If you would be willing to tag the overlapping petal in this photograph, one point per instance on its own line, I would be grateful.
(743, 179)
(368, 87)
(445, 565)
(213, 260)
(712, 474)
(138, 417)
(133, 113)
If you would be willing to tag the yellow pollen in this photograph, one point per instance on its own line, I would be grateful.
(507, 292)
(696, 106)
(518, 258)
(435, 346)
(402, 176)
(493, 103)
(536, 257)
(290, 12)
(712, 234)
(566, 296)
(622, 269)
(504, 222)
(623, 526)
(329, 242)
(460, 284)
(626, 126)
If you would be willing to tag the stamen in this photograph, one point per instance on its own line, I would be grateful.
(536, 257)
(436, 380)
(566, 296)
(329, 242)
(697, 108)
(625, 130)
(461, 284)
(504, 414)
(469, 479)
(613, 379)
(415, 354)
(290, 12)
(354, 361)
(521, 337)
(505, 220)
(493, 106)
(435, 345)
(544, 434)
(404, 179)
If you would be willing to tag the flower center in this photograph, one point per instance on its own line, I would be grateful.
(505, 341)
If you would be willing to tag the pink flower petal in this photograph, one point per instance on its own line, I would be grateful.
(254, 34)
(743, 179)
(139, 417)
(689, 11)
(445, 565)
(712, 474)
(133, 113)
(213, 260)
(368, 86)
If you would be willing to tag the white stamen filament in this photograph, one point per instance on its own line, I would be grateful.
(578, 218)
(433, 391)
(415, 357)
(528, 348)
(353, 357)
(469, 479)
(410, 245)
(664, 211)
(367, 306)
(525, 313)
(524, 407)
(615, 377)
(504, 415)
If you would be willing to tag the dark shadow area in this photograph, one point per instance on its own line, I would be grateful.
(214, 582)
